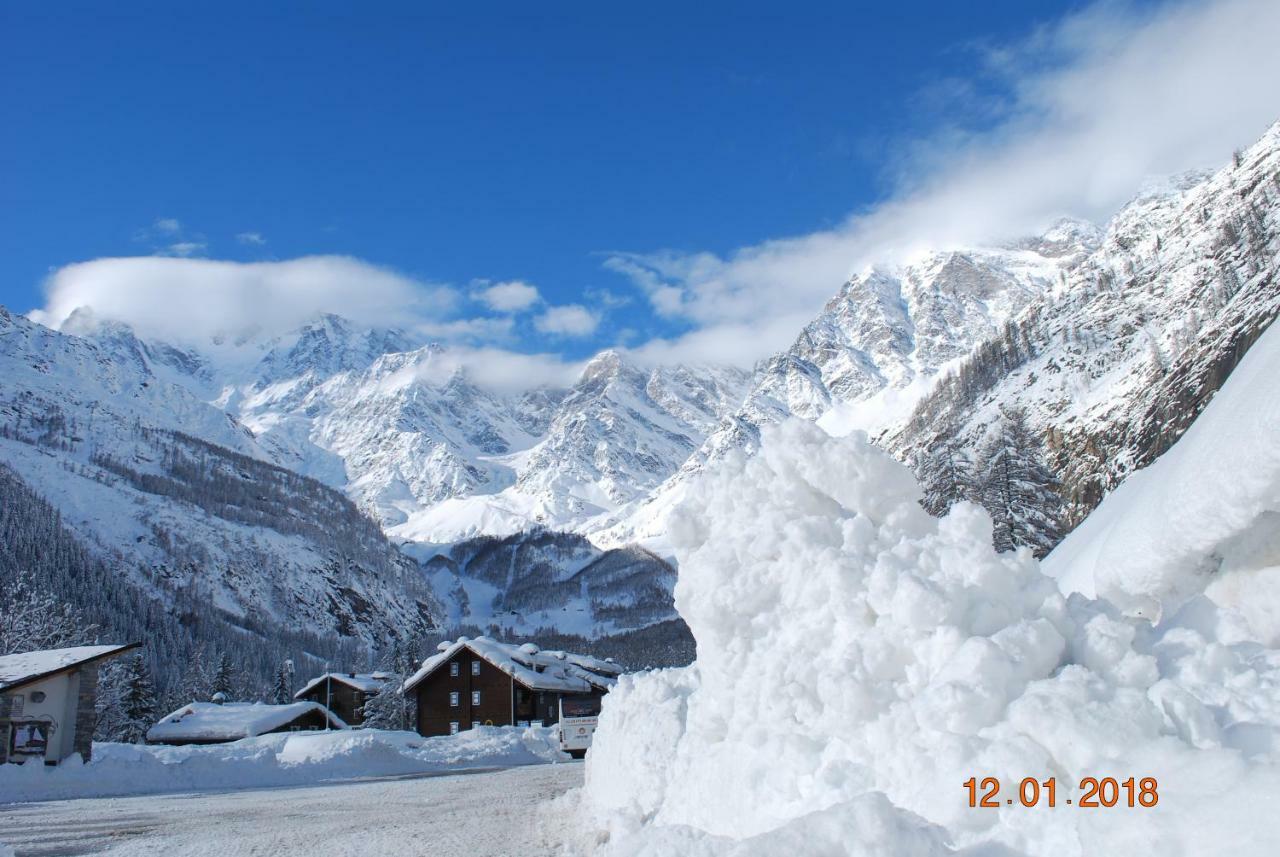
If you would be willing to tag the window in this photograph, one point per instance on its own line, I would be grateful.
(475, 697)
(453, 699)
(475, 724)
(475, 668)
(453, 669)
(453, 727)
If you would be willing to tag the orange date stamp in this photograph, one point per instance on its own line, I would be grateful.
(1093, 792)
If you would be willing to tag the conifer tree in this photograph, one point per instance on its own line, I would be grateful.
(137, 701)
(946, 476)
(31, 619)
(223, 678)
(391, 709)
(283, 692)
(1018, 489)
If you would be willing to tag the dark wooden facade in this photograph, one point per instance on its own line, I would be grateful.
(341, 698)
(467, 691)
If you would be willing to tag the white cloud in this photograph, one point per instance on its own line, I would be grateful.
(512, 296)
(1094, 105)
(496, 369)
(192, 300)
(183, 249)
(253, 239)
(567, 320)
(167, 237)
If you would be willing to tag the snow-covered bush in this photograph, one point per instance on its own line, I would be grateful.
(859, 660)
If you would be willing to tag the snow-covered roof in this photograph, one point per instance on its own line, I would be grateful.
(534, 668)
(209, 721)
(30, 666)
(366, 682)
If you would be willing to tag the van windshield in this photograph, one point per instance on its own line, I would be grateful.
(584, 706)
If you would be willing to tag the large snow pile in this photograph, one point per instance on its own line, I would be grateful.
(858, 661)
(1206, 513)
(291, 758)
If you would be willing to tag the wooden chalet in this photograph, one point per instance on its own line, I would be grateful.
(219, 723)
(47, 702)
(344, 693)
(483, 682)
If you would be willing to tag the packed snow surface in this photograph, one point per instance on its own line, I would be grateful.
(16, 668)
(283, 759)
(859, 660)
(1205, 514)
(482, 814)
(210, 721)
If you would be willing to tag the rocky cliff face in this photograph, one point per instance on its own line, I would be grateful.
(1114, 366)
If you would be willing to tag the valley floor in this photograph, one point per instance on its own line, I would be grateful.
(489, 813)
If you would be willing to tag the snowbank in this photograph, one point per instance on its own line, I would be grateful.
(858, 661)
(285, 759)
(1206, 513)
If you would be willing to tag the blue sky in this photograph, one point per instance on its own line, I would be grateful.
(455, 146)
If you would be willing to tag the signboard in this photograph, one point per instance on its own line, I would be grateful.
(29, 738)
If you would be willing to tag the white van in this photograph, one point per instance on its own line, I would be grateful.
(578, 718)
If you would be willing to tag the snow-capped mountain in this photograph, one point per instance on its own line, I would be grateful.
(437, 457)
(1112, 367)
(183, 499)
(1111, 340)
(877, 346)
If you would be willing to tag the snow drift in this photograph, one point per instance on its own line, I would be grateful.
(1205, 514)
(859, 660)
(282, 759)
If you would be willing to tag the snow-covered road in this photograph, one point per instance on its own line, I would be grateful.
(477, 814)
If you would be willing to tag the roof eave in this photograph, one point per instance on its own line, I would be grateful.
(32, 679)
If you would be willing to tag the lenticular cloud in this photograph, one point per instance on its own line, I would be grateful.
(859, 660)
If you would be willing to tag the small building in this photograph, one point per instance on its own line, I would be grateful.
(484, 682)
(47, 702)
(344, 693)
(219, 723)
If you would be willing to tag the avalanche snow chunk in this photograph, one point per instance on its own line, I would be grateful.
(859, 660)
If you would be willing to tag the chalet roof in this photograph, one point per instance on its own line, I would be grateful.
(532, 667)
(366, 682)
(28, 667)
(209, 721)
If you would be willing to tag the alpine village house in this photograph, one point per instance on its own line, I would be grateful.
(344, 693)
(47, 702)
(482, 682)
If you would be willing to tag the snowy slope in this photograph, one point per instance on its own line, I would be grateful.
(875, 349)
(520, 584)
(180, 498)
(1114, 366)
(1205, 516)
